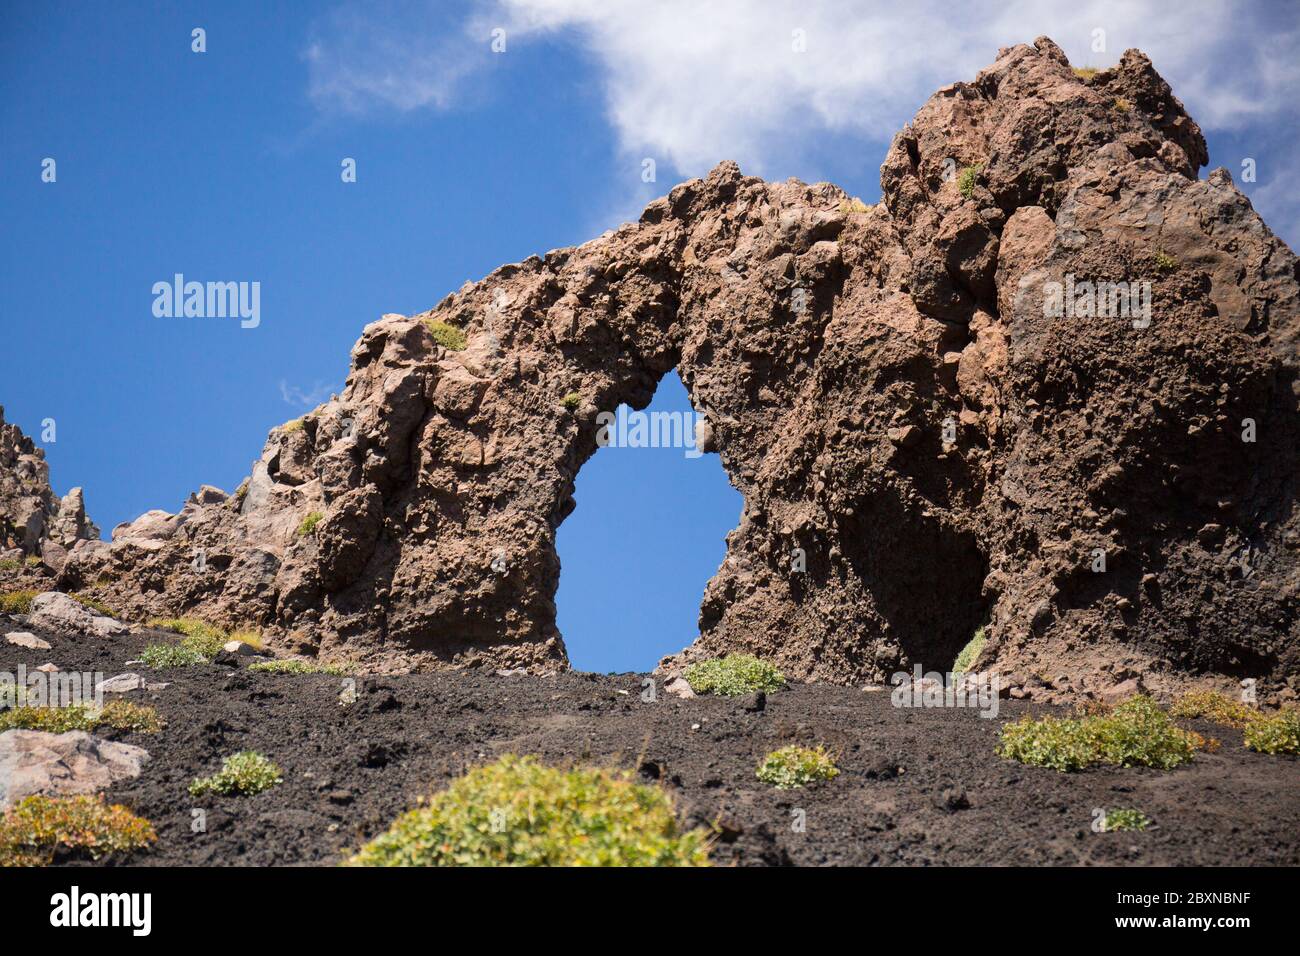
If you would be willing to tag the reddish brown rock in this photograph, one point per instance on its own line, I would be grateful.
(924, 444)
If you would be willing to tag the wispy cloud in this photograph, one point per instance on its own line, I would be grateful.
(759, 81)
(310, 398)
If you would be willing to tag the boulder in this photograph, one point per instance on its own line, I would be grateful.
(36, 762)
(60, 612)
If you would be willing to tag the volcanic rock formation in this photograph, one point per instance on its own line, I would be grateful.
(1047, 386)
(33, 521)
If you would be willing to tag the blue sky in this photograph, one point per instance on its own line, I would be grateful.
(224, 165)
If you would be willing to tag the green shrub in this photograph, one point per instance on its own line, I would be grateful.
(118, 714)
(1166, 262)
(36, 827)
(293, 425)
(572, 401)
(1277, 733)
(310, 522)
(1117, 821)
(794, 766)
(164, 656)
(1137, 733)
(968, 653)
(17, 602)
(1211, 705)
(519, 812)
(968, 178)
(446, 335)
(294, 666)
(92, 603)
(732, 675)
(244, 774)
(1085, 73)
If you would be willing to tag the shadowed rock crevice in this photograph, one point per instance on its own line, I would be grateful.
(888, 387)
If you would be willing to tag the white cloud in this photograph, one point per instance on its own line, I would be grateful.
(691, 83)
(310, 398)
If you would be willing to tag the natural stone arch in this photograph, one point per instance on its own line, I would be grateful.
(884, 388)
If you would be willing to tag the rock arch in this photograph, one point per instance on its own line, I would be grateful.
(884, 388)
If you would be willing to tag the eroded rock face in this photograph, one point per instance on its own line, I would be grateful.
(909, 418)
(34, 522)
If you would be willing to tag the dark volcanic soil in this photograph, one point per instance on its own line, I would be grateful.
(907, 775)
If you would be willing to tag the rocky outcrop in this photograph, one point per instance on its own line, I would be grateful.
(1047, 386)
(33, 521)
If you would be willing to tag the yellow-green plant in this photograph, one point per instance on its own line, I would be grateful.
(1137, 733)
(734, 674)
(796, 766)
(446, 335)
(17, 602)
(243, 774)
(294, 666)
(35, 828)
(1211, 705)
(968, 653)
(1121, 820)
(1085, 73)
(310, 522)
(1166, 262)
(968, 178)
(1276, 733)
(118, 714)
(520, 812)
(572, 401)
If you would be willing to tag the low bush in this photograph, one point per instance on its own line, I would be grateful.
(1085, 73)
(167, 656)
(310, 522)
(795, 766)
(243, 774)
(446, 335)
(117, 714)
(92, 603)
(968, 653)
(1211, 705)
(297, 667)
(572, 401)
(17, 602)
(853, 205)
(967, 180)
(734, 674)
(1117, 821)
(1166, 262)
(1276, 733)
(1137, 733)
(34, 829)
(519, 812)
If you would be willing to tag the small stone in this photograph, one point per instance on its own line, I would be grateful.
(49, 667)
(27, 640)
(121, 684)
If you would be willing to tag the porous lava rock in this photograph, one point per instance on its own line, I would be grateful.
(936, 417)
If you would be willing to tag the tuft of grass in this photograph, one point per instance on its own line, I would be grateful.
(35, 828)
(243, 774)
(1117, 821)
(1137, 733)
(1277, 733)
(310, 522)
(794, 766)
(446, 335)
(297, 667)
(32, 560)
(1085, 73)
(733, 675)
(968, 178)
(92, 603)
(1120, 105)
(10, 564)
(1166, 262)
(853, 205)
(969, 653)
(166, 656)
(520, 812)
(572, 401)
(293, 425)
(1211, 705)
(17, 602)
(252, 638)
(117, 714)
